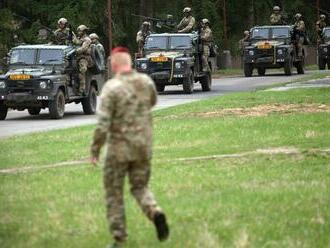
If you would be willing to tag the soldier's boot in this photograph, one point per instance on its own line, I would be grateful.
(161, 226)
(82, 84)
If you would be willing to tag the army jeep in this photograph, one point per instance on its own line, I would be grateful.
(324, 49)
(174, 59)
(272, 47)
(46, 76)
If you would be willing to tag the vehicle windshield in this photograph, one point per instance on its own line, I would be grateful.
(23, 56)
(280, 33)
(180, 42)
(260, 33)
(155, 43)
(327, 33)
(50, 56)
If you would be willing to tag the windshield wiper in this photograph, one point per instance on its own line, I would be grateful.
(50, 60)
(19, 63)
(154, 47)
(181, 46)
(281, 36)
(259, 37)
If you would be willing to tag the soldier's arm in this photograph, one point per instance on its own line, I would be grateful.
(84, 46)
(139, 37)
(189, 27)
(179, 26)
(103, 123)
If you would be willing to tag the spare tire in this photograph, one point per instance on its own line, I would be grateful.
(97, 53)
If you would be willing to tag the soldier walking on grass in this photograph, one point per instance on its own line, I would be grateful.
(206, 38)
(187, 23)
(124, 123)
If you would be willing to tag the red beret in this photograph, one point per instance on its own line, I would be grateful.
(120, 49)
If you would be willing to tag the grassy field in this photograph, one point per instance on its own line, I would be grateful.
(243, 170)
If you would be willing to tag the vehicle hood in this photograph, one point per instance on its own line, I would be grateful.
(34, 72)
(169, 54)
(271, 42)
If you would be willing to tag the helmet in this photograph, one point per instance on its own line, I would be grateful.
(276, 8)
(62, 21)
(82, 28)
(322, 17)
(205, 21)
(146, 24)
(298, 16)
(246, 32)
(94, 36)
(186, 10)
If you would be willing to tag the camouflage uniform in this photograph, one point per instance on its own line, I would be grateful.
(207, 38)
(84, 59)
(276, 19)
(187, 23)
(242, 43)
(319, 26)
(61, 36)
(125, 124)
(300, 35)
(142, 35)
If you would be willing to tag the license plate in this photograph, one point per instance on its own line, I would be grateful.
(265, 46)
(20, 77)
(159, 59)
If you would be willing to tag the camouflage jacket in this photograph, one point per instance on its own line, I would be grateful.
(61, 36)
(124, 118)
(276, 19)
(186, 25)
(84, 51)
(206, 35)
(141, 36)
(320, 25)
(300, 26)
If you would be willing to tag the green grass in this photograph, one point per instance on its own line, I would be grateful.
(258, 200)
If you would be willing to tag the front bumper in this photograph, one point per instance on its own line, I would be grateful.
(19, 100)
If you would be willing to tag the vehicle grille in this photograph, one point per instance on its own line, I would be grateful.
(265, 52)
(160, 66)
(20, 86)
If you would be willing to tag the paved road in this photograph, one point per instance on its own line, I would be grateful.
(20, 122)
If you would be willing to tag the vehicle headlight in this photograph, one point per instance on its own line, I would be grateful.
(325, 49)
(144, 66)
(279, 51)
(178, 65)
(251, 52)
(2, 84)
(43, 85)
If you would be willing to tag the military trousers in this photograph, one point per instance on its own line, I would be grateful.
(114, 179)
(83, 64)
(205, 58)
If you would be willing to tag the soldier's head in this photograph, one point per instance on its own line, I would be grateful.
(62, 23)
(298, 16)
(81, 30)
(276, 9)
(322, 17)
(146, 25)
(121, 60)
(205, 22)
(187, 11)
(94, 38)
(246, 33)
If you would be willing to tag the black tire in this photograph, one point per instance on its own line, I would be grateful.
(34, 111)
(322, 64)
(188, 84)
(160, 87)
(3, 111)
(57, 106)
(98, 59)
(261, 71)
(288, 66)
(206, 82)
(248, 69)
(89, 103)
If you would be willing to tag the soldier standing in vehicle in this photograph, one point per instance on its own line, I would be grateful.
(320, 25)
(142, 35)
(206, 38)
(83, 53)
(96, 41)
(187, 23)
(125, 124)
(299, 30)
(62, 34)
(276, 17)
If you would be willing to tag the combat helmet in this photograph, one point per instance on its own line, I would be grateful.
(205, 21)
(82, 28)
(186, 10)
(94, 36)
(297, 16)
(146, 23)
(246, 33)
(322, 17)
(276, 8)
(62, 21)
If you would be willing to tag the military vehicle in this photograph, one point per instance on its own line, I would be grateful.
(174, 59)
(46, 76)
(272, 47)
(324, 49)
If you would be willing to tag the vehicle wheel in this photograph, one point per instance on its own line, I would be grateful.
(261, 71)
(160, 87)
(89, 103)
(57, 106)
(206, 82)
(300, 67)
(188, 84)
(248, 70)
(322, 64)
(3, 111)
(288, 67)
(34, 111)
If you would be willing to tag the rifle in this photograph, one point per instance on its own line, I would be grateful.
(167, 23)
